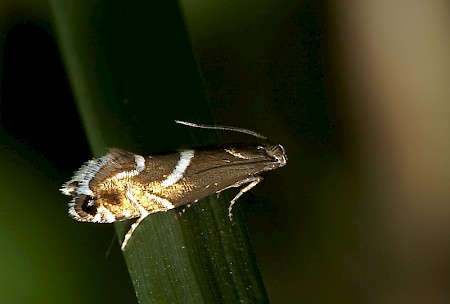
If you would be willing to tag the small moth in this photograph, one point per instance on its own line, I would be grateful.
(122, 185)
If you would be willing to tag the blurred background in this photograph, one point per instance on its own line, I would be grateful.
(358, 94)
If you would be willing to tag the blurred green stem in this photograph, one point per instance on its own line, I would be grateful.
(132, 73)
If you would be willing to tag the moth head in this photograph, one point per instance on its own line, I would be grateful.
(277, 153)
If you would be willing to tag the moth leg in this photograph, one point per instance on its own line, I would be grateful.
(144, 213)
(252, 182)
(132, 228)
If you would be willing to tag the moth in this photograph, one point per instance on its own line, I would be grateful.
(123, 185)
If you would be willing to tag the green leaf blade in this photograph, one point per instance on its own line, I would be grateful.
(131, 81)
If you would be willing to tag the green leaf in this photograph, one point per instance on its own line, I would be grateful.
(132, 72)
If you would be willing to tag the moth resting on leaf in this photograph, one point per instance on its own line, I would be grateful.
(122, 185)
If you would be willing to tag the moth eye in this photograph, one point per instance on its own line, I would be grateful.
(85, 206)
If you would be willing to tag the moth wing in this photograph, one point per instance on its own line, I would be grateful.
(117, 160)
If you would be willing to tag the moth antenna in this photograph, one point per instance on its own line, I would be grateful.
(225, 128)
